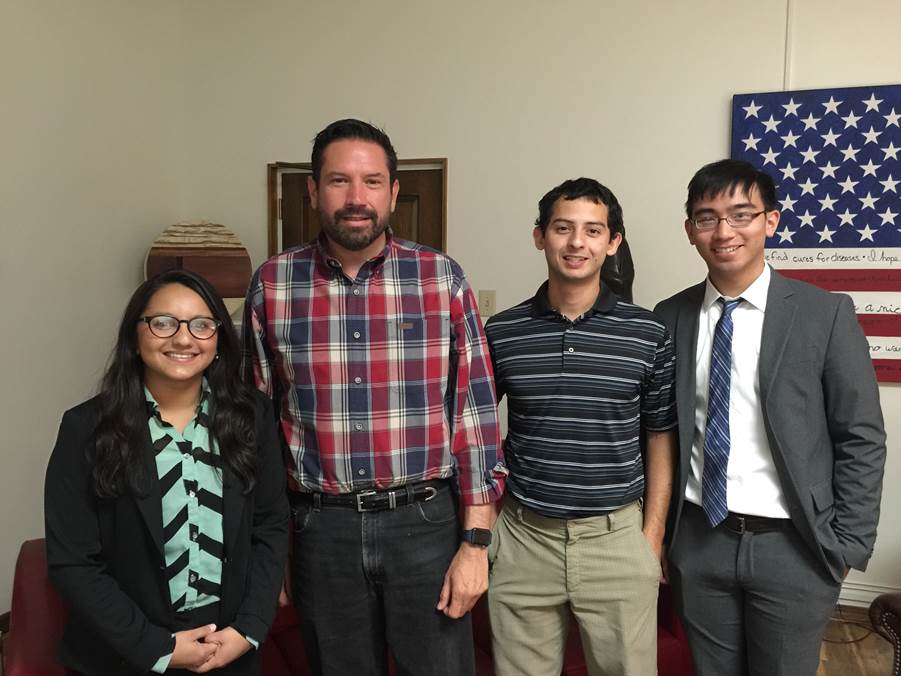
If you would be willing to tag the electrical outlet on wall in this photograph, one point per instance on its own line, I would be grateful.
(486, 303)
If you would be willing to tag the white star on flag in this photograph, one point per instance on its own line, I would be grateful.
(789, 139)
(807, 187)
(751, 110)
(787, 203)
(806, 218)
(769, 157)
(771, 125)
(867, 233)
(826, 234)
(872, 136)
(810, 154)
(791, 108)
(869, 169)
(751, 142)
(888, 217)
(848, 185)
(832, 105)
(872, 103)
(850, 153)
(827, 202)
(788, 171)
(868, 202)
(785, 235)
(847, 217)
(892, 119)
(851, 120)
(890, 151)
(829, 138)
(828, 170)
(888, 185)
(810, 122)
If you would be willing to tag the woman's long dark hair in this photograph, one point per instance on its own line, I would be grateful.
(120, 436)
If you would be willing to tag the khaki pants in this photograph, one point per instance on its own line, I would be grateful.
(600, 568)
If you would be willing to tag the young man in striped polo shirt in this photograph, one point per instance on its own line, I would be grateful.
(586, 376)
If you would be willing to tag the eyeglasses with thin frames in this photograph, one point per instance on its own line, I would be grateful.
(740, 219)
(166, 326)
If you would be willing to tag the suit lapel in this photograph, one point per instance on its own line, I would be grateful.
(686, 348)
(151, 504)
(777, 326)
(232, 508)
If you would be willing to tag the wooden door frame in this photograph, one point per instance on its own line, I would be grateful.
(275, 168)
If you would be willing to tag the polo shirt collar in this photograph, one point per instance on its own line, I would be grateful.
(541, 305)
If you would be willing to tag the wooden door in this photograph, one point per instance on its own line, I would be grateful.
(420, 214)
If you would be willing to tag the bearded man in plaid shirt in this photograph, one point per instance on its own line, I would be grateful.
(373, 351)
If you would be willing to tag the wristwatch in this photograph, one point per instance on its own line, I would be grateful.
(477, 536)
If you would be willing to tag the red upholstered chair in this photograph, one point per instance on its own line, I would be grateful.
(37, 617)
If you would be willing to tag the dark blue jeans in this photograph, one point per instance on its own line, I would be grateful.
(369, 583)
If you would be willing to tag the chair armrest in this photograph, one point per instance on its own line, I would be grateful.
(37, 617)
(885, 615)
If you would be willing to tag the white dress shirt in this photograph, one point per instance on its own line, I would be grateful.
(752, 485)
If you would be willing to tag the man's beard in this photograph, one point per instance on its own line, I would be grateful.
(352, 240)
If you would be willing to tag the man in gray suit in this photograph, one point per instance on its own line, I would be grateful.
(782, 444)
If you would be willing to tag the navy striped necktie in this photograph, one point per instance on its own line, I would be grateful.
(716, 436)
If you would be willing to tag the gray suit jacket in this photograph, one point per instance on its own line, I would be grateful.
(821, 412)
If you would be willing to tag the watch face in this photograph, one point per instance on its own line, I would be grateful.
(478, 536)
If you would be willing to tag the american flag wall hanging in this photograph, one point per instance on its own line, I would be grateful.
(835, 155)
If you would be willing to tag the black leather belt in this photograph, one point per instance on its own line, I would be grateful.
(376, 501)
(746, 523)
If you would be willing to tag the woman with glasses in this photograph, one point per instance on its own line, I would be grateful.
(166, 517)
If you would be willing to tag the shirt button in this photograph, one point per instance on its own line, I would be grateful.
(190, 494)
(194, 536)
(356, 334)
(358, 380)
(356, 292)
(569, 349)
(361, 471)
(358, 426)
(193, 577)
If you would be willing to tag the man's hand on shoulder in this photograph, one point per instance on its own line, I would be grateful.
(465, 581)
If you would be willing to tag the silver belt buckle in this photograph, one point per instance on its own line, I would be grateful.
(359, 498)
(431, 492)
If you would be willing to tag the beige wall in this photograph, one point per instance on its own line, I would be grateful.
(517, 94)
(91, 109)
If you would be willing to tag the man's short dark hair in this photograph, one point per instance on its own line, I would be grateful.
(723, 176)
(352, 129)
(582, 188)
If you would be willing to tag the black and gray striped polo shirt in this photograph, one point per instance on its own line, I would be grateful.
(578, 395)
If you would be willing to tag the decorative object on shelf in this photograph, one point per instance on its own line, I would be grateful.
(209, 249)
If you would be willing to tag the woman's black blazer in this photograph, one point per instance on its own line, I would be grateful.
(106, 556)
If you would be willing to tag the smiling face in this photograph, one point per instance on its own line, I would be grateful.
(355, 195)
(576, 241)
(180, 360)
(734, 256)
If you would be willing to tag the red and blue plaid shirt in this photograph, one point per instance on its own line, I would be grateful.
(379, 381)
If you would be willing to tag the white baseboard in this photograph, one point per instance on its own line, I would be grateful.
(862, 594)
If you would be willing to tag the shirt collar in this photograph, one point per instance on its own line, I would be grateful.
(755, 294)
(153, 408)
(541, 305)
(335, 264)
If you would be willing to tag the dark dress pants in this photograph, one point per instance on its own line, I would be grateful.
(755, 604)
(366, 583)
